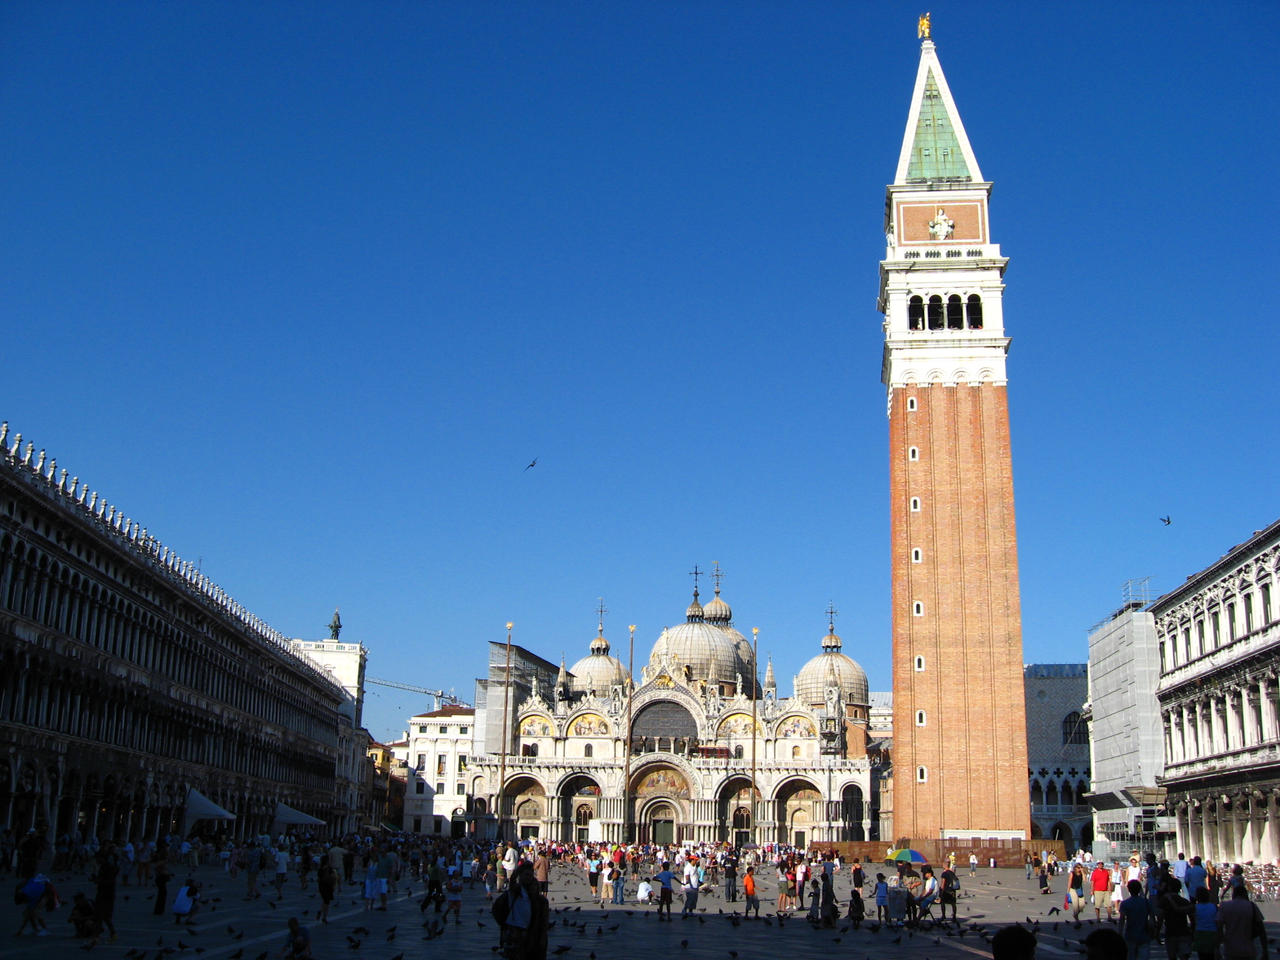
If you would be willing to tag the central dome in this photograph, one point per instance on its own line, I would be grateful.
(704, 649)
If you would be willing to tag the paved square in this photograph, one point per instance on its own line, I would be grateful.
(994, 898)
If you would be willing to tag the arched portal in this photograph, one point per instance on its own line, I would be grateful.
(1062, 832)
(733, 811)
(661, 794)
(578, 794)
(661, 823)
(796, 809)
(852, 812)
(524, 808)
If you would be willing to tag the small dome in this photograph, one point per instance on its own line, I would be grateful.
(695, 613)
(598, 671)
(717, 611)
(811, 681)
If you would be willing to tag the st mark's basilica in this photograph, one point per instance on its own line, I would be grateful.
(706, 737)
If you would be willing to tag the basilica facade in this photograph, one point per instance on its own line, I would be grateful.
(693, 749)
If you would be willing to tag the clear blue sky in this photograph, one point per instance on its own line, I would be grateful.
(302, 287)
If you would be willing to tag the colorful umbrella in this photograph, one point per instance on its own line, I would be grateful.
(906, 854)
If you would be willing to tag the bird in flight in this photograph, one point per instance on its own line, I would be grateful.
(1165, 520)
(532, 463)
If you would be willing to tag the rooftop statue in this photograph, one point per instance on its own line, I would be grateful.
(335, 626)
(922, 26)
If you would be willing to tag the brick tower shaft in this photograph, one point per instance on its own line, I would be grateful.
(960, 744)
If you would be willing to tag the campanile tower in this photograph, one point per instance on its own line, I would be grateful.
(959, 716)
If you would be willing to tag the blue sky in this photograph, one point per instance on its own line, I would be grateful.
(302, 287)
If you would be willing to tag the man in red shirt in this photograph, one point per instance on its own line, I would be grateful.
(1100, 881)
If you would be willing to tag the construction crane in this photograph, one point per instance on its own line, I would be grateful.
(439, 696)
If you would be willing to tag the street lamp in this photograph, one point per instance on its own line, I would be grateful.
(626, 779)
(506, 703)
(755, 699)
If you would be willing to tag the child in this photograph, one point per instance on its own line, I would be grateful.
(490, 880)
(882, 899)
(644, 892)
(857, 909)
(81, 917)
(815, 897)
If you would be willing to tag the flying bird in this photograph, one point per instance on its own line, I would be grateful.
(1166, 520)
(532, 463)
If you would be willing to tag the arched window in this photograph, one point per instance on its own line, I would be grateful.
(955, 313)
(1051, 795)
(737, 751)
(795, 752)
(920, 718)
(911, 404)
(1074, 729)
(975, 312)
(916, 555)
(913, 453)
(935, 312)
(922, 775)
(919, 664)
(588, 751)
(1037, 793)
(915, 313)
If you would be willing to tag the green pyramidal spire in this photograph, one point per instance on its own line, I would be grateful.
(935, 149)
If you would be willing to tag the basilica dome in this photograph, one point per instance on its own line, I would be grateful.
(598, 671)
(705, 649)
(812, 680)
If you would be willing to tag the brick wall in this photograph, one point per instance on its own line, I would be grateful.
(973, 743)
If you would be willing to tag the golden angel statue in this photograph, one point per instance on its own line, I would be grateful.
(922, 27)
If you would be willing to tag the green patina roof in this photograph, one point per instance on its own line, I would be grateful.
(935, 149)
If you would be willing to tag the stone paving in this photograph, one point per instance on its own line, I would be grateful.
(230, 928)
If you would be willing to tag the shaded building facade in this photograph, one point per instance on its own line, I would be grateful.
(129, 679)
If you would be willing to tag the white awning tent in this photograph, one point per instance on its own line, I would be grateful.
(200, 807)
(286, 816)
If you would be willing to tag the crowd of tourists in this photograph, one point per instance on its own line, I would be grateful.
(1188, 906)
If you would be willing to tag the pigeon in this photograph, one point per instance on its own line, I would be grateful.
(532, 464)
(1053, 910)
(1166, 520)
(561, 949)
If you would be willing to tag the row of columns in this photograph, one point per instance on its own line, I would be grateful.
(1235, 719)
(1243, 831)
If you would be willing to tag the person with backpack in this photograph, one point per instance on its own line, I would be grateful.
(523, 916)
